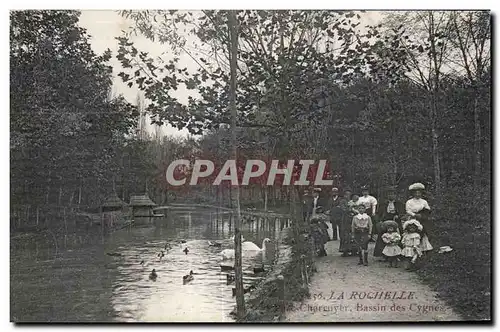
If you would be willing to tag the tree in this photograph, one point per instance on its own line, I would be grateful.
(65, 128)
(471, 38)
(233, 32)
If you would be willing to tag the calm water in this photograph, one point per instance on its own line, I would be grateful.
(84, 284)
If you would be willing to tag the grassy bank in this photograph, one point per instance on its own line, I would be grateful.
(462, 277)
(264, 304)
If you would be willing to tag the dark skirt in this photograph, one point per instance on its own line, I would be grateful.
(361, 237)
(379, 246)
(318, 235)
(346, 243)
(426, 223)
(324, 230)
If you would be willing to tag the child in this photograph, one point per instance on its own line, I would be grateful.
(318, 237)
(411, 242)
(353, 203)
(362, 229)
(392, 250)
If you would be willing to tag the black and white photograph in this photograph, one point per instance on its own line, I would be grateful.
(250, 166)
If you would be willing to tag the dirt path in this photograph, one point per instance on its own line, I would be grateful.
(342, 291)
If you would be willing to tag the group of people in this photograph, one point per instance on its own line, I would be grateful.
(398, 229)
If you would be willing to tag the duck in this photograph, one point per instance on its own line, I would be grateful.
(161, 254)
(181, 241)
(257, 270)
(215, 244)
(114, 254)
(153, 275)
(245, 290)
(248, 248)
(230, 278)
(186, 250)
(142, 262)
(187, 278)
(226, 268)
(167, 246)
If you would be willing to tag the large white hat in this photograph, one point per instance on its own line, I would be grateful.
(412, 222)
(417, 186)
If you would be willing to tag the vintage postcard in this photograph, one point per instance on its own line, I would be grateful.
(250, 166)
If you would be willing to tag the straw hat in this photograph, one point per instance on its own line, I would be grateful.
(412, 222)
(417, 186)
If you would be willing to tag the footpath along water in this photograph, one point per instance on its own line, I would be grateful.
(84, 284)
(342, 291)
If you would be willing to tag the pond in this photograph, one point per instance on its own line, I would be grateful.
(85, 284)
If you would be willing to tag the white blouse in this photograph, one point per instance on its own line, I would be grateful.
(369, 202)
(415, 205)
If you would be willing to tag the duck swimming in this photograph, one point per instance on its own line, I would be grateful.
(161, 254)
(259, 270)
(245, 290)
(226, 267)
(153, 275)
(114, 254)
(214, 244)
(187, 278)
(186, 250)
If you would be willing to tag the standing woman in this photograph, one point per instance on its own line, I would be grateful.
(335, 212)
(368, 201)
(347, 246)
(418, 208)
(391, 209)
(370, 204)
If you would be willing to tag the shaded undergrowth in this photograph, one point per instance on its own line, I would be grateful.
(462, 277)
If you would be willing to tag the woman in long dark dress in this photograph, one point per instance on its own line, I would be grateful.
(347, 246)
(319, 232)
(389, 210)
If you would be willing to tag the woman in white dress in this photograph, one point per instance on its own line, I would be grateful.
(419, 209)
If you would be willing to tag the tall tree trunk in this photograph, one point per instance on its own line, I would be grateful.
(435, 147)
(265, 198)
(477, 144)
(240, 300)
(80, 193)
(435, 87)
(60, 194)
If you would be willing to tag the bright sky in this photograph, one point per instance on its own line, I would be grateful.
(105, 25)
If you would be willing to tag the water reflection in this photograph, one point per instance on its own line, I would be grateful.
(84, 284)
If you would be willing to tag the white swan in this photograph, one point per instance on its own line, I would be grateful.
(248, 248)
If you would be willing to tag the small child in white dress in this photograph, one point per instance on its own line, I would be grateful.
(411, 242)
(392, 250)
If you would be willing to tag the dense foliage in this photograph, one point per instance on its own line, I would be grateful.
(386, 105)
(67, 133)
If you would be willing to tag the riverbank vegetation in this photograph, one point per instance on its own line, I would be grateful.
(387, 105)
